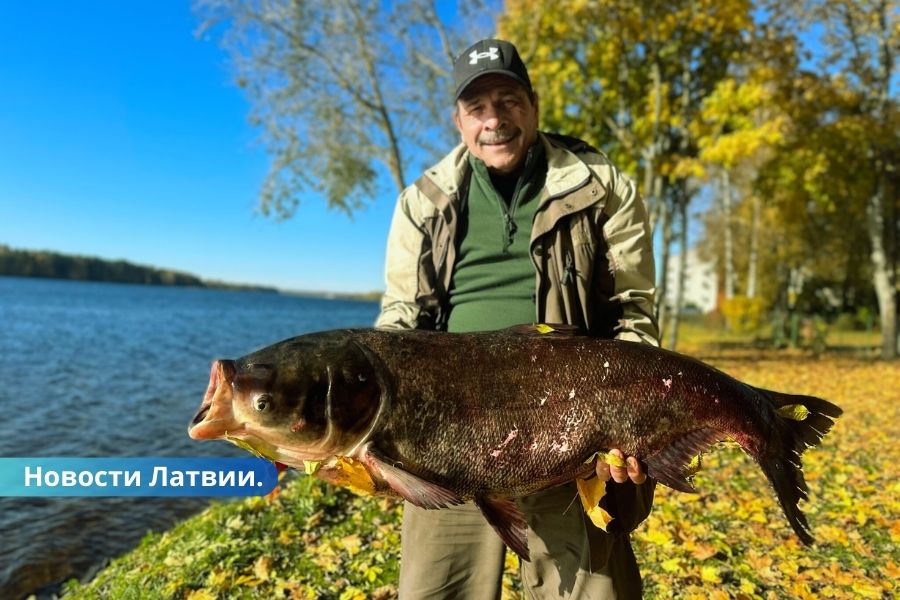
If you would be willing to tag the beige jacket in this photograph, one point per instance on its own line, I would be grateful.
(593, 256)
(590, 244)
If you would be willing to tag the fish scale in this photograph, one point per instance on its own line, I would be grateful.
(442, 418)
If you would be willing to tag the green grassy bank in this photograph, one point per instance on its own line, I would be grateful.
(729, 541)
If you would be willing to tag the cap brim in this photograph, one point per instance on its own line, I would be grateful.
(468, 81)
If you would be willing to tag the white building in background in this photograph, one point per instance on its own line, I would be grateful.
(700, 283)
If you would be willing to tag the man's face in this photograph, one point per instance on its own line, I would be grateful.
(498, 121)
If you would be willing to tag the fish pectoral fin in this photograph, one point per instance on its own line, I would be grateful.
(413, 488)
(670, 466)
(508, 521)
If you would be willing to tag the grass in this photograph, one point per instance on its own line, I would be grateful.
(732, 541)
(309, 541)
(728, 541)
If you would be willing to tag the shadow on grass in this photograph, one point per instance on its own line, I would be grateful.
(765, 350)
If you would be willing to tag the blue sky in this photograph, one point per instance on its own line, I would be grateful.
(123, 136)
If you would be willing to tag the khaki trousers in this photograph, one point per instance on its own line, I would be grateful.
(454, 553)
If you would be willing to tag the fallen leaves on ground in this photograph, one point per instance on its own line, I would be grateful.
(730, 540)
(732, 537)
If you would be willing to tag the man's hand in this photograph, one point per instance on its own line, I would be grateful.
(632, 469)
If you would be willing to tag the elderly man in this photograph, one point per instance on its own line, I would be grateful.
(518, 226)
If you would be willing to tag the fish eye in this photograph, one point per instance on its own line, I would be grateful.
(263, 402)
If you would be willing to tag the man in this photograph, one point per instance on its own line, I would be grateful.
(518, 226)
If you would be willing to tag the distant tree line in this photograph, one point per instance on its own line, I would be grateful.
(52, 265)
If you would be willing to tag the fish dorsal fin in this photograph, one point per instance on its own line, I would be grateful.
(413, 488)
(508, 521)
(555, 329)
(669, 466)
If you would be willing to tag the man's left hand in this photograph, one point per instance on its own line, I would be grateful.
(632, 469)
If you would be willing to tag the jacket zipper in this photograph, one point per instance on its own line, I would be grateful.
(539, 302)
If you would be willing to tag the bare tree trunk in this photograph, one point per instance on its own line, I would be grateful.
(379, 106)
(652, 179)
(728, 233)
(754, 248)
(883, 272)
(682, 270)
(885, 287)
(650, 197)
(796, 280)
(680, 197)
(662, 288)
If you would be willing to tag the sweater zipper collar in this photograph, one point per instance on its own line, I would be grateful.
(508, 213)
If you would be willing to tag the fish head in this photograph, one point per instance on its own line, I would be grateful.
(309, 398)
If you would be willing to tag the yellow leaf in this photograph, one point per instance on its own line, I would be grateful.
(694, 466)
(352, 593)
(257, 450)
(261, 567)
(544, 328)
(286, 536)
(351, 473)
(867, 590)
(247, 580)
(796, 412)
(217, 578)
(671, 565)
(351, 543)
(511, 562)
(370, 573)
(591, 491)
(611, 459)
(659, 537)
(311, 466)
(201, 594)
(892, 570)
(703, 551)
(710, 574)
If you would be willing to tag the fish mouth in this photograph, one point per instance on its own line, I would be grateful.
(215, 418)
(201, 414)
(211, 429)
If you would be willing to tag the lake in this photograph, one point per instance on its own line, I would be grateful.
(99, 369)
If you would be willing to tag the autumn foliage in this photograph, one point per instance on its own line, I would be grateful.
(728, 541)
(731, 541)
(775, 122)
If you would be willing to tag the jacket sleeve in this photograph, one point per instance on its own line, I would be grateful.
(628, 504)
(627, 232)
(399, 309)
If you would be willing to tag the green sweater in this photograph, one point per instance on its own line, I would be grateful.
(493, 282)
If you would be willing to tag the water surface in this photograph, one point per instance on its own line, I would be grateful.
(99, 369)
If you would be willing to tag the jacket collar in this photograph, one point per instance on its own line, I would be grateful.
(566, 172)
(446, 177)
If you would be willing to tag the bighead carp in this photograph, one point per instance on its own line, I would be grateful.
(444, 418)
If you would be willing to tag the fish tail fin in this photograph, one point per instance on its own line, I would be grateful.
(801, 423)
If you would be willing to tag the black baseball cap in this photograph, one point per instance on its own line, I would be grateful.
(485, 57)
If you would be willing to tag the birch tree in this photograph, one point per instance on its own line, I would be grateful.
(630, 76)
(861, 47)
(348, 95)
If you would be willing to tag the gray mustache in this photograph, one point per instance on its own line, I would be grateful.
(499, 137)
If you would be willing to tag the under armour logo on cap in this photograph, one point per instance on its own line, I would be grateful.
(491, 54)
(485, 57)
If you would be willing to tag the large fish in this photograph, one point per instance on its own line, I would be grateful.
(443, 418)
